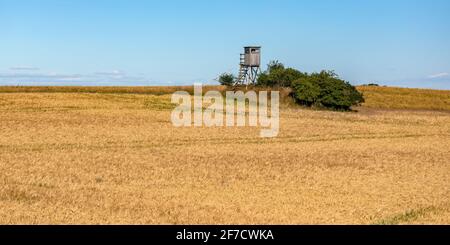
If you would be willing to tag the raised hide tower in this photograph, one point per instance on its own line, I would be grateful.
(249, 66)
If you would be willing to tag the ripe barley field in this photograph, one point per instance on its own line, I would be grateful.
(106, 156)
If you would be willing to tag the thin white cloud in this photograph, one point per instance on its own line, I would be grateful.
(110, 73)
(439, 75)
(41, 78)
(25, 75)
(24, 68)
(71, 79)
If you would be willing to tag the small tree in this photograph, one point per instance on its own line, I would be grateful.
(327, 90)
(227, 79)
(277, 75)
(274, 65)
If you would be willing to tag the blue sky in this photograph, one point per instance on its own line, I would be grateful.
(131, 42)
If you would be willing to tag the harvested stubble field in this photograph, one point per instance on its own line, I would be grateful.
(100, 156)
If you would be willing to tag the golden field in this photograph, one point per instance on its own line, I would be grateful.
(111, 156)
(406, 98)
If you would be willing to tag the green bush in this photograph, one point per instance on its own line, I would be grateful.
(306, 91)
(227, 79)
(279, 76)
(325, 89)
